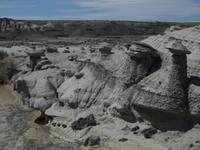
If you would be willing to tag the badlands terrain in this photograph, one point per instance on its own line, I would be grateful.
(106, 85)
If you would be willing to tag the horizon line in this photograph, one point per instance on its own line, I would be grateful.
(53, 19)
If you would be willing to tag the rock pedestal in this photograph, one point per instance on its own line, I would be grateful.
(144, 57)
(161, 98)
(34, 57)
(178, 80)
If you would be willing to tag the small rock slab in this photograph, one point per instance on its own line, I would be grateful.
(82, 123)
(92, 141)
(148, 133)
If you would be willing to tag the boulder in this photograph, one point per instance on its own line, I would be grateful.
(67, 73)
(82, 123)
(66, 51)
(105, 50)
(149, 132)
(72, 58)
(79, 75)
(92, 141)
(51, 50)
(41, 64)
(48, 66)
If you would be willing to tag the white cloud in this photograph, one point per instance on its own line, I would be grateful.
(16, 4)
(139, 9)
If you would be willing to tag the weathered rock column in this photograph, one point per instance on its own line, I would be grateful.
(34, 57)
(178, 79)
(161, 98)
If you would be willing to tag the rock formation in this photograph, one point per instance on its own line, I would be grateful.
(166, 94)
(152, 81)
(145, 58)
(34, 57)
(178, 79)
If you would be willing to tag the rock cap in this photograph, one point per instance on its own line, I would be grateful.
(140, 49)
(35, 53)
(176, 47)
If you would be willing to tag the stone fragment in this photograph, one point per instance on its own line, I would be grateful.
(66, 51)
(82, 123)
(123, 140)
(135, 128)
(92, 141)
(105, 50)
(79, 75)
(52, 50)
(149, 132)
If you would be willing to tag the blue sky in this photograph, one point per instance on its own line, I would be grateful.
(140, 10)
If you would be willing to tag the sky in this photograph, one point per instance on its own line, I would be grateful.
(136, 10)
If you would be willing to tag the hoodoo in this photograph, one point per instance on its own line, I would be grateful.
(34, 57)
(144, 59)
(161, 98)
(178, 76)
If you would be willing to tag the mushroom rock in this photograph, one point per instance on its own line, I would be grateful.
(34, 57)
(161, 98)
(178, 75)
(190, 37)
(145, 60)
